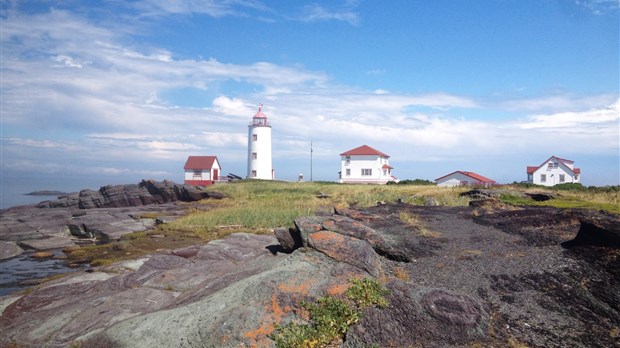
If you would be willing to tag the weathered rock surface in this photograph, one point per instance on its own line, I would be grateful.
(530, 277)
(132, 195)
(106, 214)
(9, 249)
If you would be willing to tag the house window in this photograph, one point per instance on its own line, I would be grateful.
(366, 172)
(576, 177)
(561, 177)
(385, 172)
(253, 173)
(254, 156)
(347, 159)
(530, 177)
(543, 178)
(348, 172)
(254, 137)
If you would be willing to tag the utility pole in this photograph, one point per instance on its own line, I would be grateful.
(310, 159)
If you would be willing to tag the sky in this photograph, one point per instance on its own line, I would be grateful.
(109, 92)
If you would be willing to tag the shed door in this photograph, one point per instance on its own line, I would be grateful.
(215, 174)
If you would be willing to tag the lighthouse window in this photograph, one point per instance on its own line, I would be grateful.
(254, 156)
(254, 137)
(366, 172)
(253, 173)
(348, 172)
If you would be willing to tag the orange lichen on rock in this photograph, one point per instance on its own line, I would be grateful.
(274, 316)
(337, 289)
(259, 336)
(326, 236)
(295, 286)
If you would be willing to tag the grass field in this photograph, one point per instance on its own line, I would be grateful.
(259, 206)
(263, 205)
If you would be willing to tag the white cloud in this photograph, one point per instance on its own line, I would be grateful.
(67, 62)
(599, 7)
(574, 119)
(314, 13)
(213, 8)
(231, 106)
(559, 102)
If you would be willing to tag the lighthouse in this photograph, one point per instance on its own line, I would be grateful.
(259, 147)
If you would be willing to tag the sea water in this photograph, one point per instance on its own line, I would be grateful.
(22, 268)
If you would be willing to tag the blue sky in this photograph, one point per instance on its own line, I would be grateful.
(105, 92)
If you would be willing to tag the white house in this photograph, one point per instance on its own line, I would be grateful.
(460, 177)
(365, 165)
(259, 148)
(553, 171)
(202, 170)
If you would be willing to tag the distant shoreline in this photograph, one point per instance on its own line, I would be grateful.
(46, 193)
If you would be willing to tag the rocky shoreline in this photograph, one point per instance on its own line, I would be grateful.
(104, 215)
(486, 275)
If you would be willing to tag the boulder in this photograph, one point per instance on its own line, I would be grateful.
(9, 250)
(353, 251)
(289, 239)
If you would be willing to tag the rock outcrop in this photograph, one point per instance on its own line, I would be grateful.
(455, 279)
(118, 196)
(106, 214)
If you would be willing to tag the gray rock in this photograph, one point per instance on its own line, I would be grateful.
(47, 243)
(289, 239)
(9, 250)
(353, 251)
(131, 195)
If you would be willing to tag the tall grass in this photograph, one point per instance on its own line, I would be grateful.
(259, 206)
(576, 196)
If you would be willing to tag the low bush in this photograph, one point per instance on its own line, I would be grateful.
(330, 317)
(420, 182)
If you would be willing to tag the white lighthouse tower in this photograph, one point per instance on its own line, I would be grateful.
(259, 147)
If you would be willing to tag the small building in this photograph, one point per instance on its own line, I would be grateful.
(365, 165)
(553, 171)
(202, 170)
(460, 178)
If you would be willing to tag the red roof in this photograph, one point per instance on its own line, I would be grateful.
(385, 166)
(472, 175)
(364, 150)
(532, 169)
(260, 114)
(200, 162)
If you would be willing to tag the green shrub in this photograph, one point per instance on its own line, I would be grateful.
(331, 317)
(569, 187)
(420, 182)
(367, 292)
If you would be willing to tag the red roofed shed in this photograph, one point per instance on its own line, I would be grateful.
(463, 178)
(202, 170)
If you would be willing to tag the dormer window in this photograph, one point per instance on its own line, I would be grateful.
(552, 165)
